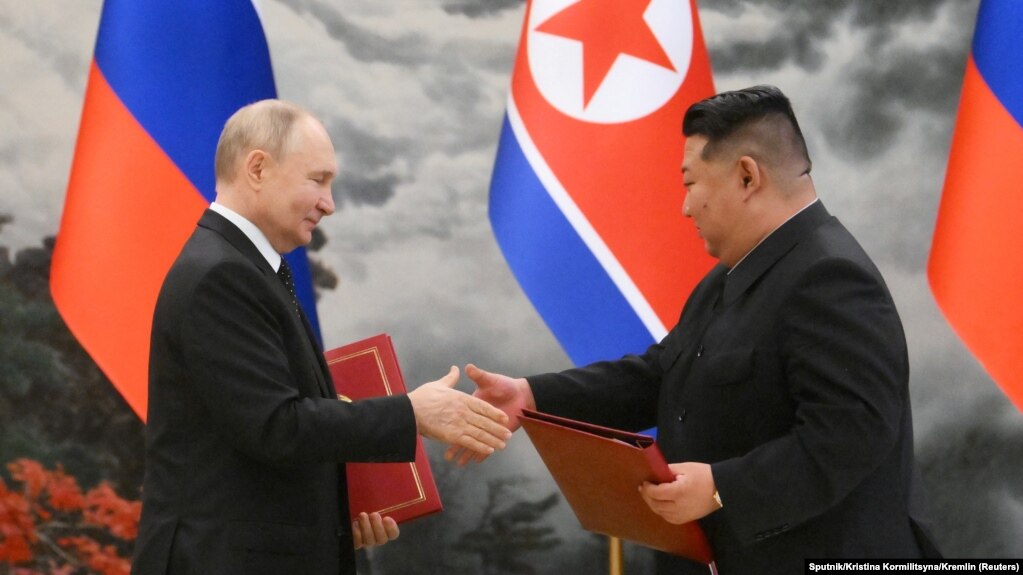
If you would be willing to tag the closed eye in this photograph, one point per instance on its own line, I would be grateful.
(321, 177)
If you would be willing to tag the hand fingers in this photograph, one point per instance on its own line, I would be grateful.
(356, 535)
(463, 456)
(369, 530)
(469, 441)
(468, 457)
(379, 533)
(474, 373)
(451, 379)
(644, 492)
(485, 423)
(391, 528)
(483, 408)
(360, 528)
(491, 420)
(661, 491)
(656, 504)
(459, 419)
(663, 499)
(487, 432)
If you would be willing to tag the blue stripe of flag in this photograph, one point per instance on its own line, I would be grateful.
(182, 77)
(998, 52)
(560, 275)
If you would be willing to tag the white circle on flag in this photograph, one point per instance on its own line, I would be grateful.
(633, 88)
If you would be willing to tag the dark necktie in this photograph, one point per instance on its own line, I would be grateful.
(284, 273)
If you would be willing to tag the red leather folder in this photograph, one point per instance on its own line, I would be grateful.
(403, 491)
(599, 470)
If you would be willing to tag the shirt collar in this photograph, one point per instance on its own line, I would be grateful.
(812, 202)
(255, 235)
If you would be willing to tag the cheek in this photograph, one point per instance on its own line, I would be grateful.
(699, 203)
(304, 201)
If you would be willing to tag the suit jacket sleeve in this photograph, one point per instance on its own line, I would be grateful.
(845, 374)
(246, 375)
(621, 394)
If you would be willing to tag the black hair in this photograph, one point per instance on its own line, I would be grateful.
(723, 115)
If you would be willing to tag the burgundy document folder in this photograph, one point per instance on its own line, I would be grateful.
(599, 470)
(404, 491)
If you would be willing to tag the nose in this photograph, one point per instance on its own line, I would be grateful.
(326, 203)
(685, 207)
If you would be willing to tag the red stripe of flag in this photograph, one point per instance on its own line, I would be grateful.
(128, 211)
(976, 264)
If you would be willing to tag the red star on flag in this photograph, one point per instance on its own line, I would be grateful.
(606, 29)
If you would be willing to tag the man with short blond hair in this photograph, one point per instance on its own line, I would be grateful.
(246, 440)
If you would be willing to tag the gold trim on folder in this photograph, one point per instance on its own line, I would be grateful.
(387, 387)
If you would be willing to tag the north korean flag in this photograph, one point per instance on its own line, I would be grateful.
(586, 196)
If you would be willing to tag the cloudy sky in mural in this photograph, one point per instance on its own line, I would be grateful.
(413, 93)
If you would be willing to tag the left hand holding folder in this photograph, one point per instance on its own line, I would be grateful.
(688, 498)
(369, 530)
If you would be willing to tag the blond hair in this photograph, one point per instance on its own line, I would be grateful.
(264, 125)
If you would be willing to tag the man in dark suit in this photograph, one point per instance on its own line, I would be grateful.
(246, 437)
(782, 393)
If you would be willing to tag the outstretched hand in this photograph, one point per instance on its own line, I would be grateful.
(510, 395)
(450, 416)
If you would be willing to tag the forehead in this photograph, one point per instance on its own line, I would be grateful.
(310, 141)
(693, 152)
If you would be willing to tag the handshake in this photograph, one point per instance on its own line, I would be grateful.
(474, 426)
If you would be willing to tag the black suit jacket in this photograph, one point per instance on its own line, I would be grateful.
(790, 376)
(245, 436)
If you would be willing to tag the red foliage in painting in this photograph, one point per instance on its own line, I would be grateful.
(104, 508)
(17, 528)
(102, 559)
(49, 527)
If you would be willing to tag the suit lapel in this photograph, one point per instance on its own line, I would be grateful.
(214, 221)
(324, 379)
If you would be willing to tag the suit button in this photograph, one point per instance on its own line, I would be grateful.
(699, 352)
(682, 416)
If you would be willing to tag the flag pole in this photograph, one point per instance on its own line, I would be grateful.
(615, 563)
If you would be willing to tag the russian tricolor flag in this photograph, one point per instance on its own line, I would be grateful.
(165, 78)
(976, 261)
(586, 196)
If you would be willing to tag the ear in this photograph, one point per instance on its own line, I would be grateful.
(257, 162)
(750, 174)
